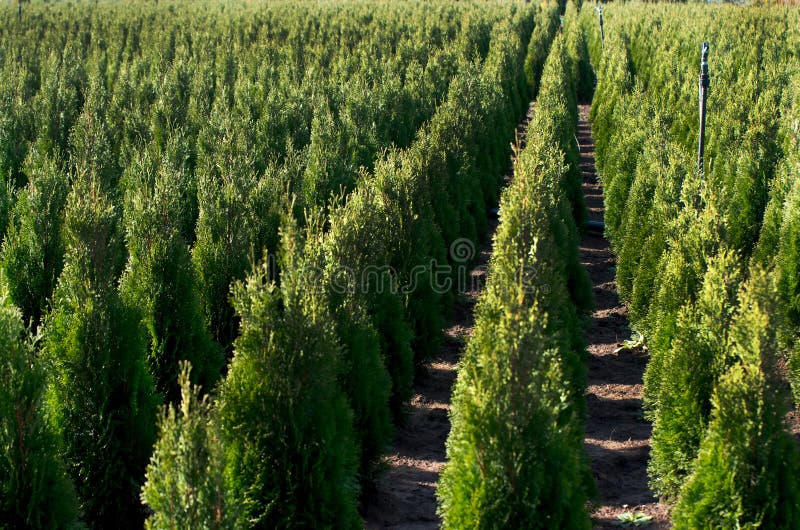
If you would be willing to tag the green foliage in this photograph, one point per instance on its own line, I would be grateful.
(161, 282)
(539, 46)
(746, 471)
(60, 98)
(788, 277)
(90, 141)
(237, 218)
(681, 270)
(101, 397)
(633, 519)
(328, 171)
(615, 82)
(620, 183)
(411, 241)
(366, 382)
(689, 374)
(364, 297)
(555, 123)
(683, 239)
(644, 115)
(781, 230)
(394, 120)
(34, 489)
(33, 253)
(285, 422)
(185, 480)
(582, 74)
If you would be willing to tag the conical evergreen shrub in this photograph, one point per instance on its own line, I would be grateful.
(285, 422)
(554, 123)
(515, 456)
(747, 468)
(160, 281)
(34, 489)
(237, 218)
(33, 252)
(544, 31)
(689, 374)
(185, 482)
(682, 268)
(377, 358)
(101, 397)
(582, 73)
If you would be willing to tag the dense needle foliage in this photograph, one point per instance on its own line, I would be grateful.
(149, 154)
(286, 422)
(101, 395)
(34, 489)
(161, 283)
(746, 474)
(186, 476)
(33, 253)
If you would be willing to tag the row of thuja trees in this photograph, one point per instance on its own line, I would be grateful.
(708, 261)
(318, 370)
(515, 452)
(151, 162)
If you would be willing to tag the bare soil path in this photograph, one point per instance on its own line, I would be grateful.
(617, 435)
(404, 495)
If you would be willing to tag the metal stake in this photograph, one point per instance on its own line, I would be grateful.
(600, 18)
(703, 87)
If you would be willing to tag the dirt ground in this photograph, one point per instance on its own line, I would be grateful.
(617, 435)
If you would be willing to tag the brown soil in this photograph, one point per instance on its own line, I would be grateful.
(617, 435)
(404, 495)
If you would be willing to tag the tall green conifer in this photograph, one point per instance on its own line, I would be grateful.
(101, 393)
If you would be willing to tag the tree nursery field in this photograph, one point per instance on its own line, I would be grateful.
(256, 254)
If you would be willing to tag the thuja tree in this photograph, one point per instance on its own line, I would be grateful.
(90, 142)
(364, 238)
(60, 100)
(185, 481)
(161, 282)
(34, 489)
(697, 359)
(614, 83)
(237, 218)
(539, 47)
(779, 238)
(372, 373)
(33, 253)
(788, 269)
(747, 467)
(662, 196)
(329, 170)
(582, 73)
(515, 449)
(285, 422)
(554, 123)
(682, 268)
(15, 128)
(101, 398)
